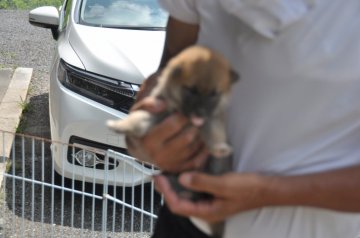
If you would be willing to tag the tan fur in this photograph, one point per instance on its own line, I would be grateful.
(201, 67)
(197, 67)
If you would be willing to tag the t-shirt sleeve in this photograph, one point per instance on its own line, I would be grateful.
(182, 10)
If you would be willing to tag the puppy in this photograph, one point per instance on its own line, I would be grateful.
(197, 84)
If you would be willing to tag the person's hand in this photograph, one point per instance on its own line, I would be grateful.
(173, 145)
(233, 193)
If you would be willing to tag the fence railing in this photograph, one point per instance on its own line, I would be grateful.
(35, 201)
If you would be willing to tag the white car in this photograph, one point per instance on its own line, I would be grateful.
(105, 49)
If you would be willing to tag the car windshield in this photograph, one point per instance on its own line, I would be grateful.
(137, 14)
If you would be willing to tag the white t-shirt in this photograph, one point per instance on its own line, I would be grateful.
(296, 109)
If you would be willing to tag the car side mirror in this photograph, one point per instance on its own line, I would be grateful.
(46, 17)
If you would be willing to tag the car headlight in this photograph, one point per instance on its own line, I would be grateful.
(108, 91)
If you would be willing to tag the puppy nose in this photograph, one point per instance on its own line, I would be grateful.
(197, 121)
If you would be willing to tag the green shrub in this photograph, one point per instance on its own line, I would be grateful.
(28, 4)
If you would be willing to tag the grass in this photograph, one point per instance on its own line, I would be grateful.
(10, 55)
(9, 166)
(6, 54)
(2, 195)
(22, 126)
(25, 107)
(8, 66)
(28, 4)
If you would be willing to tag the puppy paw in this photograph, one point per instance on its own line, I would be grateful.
(115, 125)
(221, 150)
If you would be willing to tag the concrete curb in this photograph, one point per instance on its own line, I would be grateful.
(10, 112)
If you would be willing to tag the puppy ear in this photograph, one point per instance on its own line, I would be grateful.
(234, 76)
(176, 72)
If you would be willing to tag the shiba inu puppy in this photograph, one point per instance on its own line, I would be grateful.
(197, 84)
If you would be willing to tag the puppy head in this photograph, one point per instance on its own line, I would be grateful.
(198, 80)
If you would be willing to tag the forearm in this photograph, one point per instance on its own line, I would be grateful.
(179, 35)
(336, 190)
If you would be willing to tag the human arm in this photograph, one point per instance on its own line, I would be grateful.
(179, 35)
(237, 192)
(171, 145)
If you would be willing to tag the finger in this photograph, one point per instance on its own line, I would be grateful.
(196, 160)
(169, 127)
(154, 140)
(184, 137)
(161, 183)
(185, 151)
(203, 182)
(185, 143)
(176, 204)
(183, 159)
(207, 210)
(136, 150)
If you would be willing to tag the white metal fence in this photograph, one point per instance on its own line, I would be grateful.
(36, 202)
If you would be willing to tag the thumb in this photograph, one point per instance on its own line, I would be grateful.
(202, 182)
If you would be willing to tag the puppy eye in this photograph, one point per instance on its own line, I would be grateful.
(190, 90)
(213, 93)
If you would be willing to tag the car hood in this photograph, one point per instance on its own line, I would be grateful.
(127, 55)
